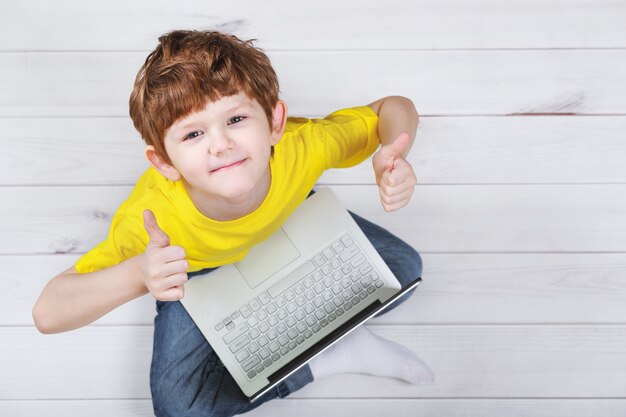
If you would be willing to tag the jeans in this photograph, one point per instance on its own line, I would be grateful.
(187, 378)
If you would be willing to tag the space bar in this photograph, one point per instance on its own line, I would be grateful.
(291, 279)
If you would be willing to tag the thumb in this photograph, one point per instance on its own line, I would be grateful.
(157, 236)
(395, 149)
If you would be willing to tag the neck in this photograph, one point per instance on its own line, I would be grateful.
(227, 209)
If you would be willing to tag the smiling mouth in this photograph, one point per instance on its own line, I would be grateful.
(224, 168)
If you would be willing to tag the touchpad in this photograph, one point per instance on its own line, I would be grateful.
(266, 258)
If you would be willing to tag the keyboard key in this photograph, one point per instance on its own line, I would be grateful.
(273, 347)
(283, 340)
(238, 331)
(235, 315)
(365, 268)
(259, 368)
(262, 341)
(264, 353)
(219, 326)
(245, 312)
(254, 333)
(291, 278)
(328, 253)
(254, 304)
(357, 260)
(300, 301)
(253, 361)
(239, 343)
(319, 260)
(349, 253)
(337, 247)
(253, 347)
(284, 351)
(251, 374)
(264, 298)
(270, 308)
(242, 355)
(292, 345)
(347, 240)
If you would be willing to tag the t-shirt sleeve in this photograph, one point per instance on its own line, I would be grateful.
(125, 240)
(349, 136)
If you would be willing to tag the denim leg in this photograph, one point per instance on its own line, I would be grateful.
(188, 379)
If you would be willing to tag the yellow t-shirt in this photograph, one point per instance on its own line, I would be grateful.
(308, 147)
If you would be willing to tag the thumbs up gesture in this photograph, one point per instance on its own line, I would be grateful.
(394, 175)
(164, 267)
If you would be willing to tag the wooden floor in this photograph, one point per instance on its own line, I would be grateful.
(519, 215)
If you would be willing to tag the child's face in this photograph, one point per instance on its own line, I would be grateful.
(223, 151)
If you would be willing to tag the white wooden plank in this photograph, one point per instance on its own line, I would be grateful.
(393, 24)
(450, 218)
(469, 362)
(448, 150)
(457, 289)
(361, 407)
(479, 82)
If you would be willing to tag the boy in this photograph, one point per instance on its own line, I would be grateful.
(227, 169)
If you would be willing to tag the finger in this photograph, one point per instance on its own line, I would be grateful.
(396, 198)
(395, 206)
(170, 254)
(173, 294)
(176, 267)
(397, 147)
(157, 236)
(173, 281)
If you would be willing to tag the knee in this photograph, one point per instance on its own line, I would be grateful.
(409, 264)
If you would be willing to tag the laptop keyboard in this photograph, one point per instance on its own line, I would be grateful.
(280, 319)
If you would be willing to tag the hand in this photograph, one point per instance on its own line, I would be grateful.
(164, 267)
(394, 175)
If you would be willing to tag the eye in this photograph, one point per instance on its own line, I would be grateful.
(237, 118)
(193, 135)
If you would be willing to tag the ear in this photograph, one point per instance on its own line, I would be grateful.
(168, 171)
(279, 116)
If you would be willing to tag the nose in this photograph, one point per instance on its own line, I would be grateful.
(219, 144)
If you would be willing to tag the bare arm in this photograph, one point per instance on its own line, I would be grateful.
(72, 300)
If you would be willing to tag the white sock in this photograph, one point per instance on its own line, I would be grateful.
(364, 352)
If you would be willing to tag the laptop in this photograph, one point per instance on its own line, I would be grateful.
(295, 294)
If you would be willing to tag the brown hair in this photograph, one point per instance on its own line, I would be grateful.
(189, 68)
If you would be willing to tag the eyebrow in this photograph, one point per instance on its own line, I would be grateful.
(232, 109)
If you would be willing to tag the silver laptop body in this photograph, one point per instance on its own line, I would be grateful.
(295, 294)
